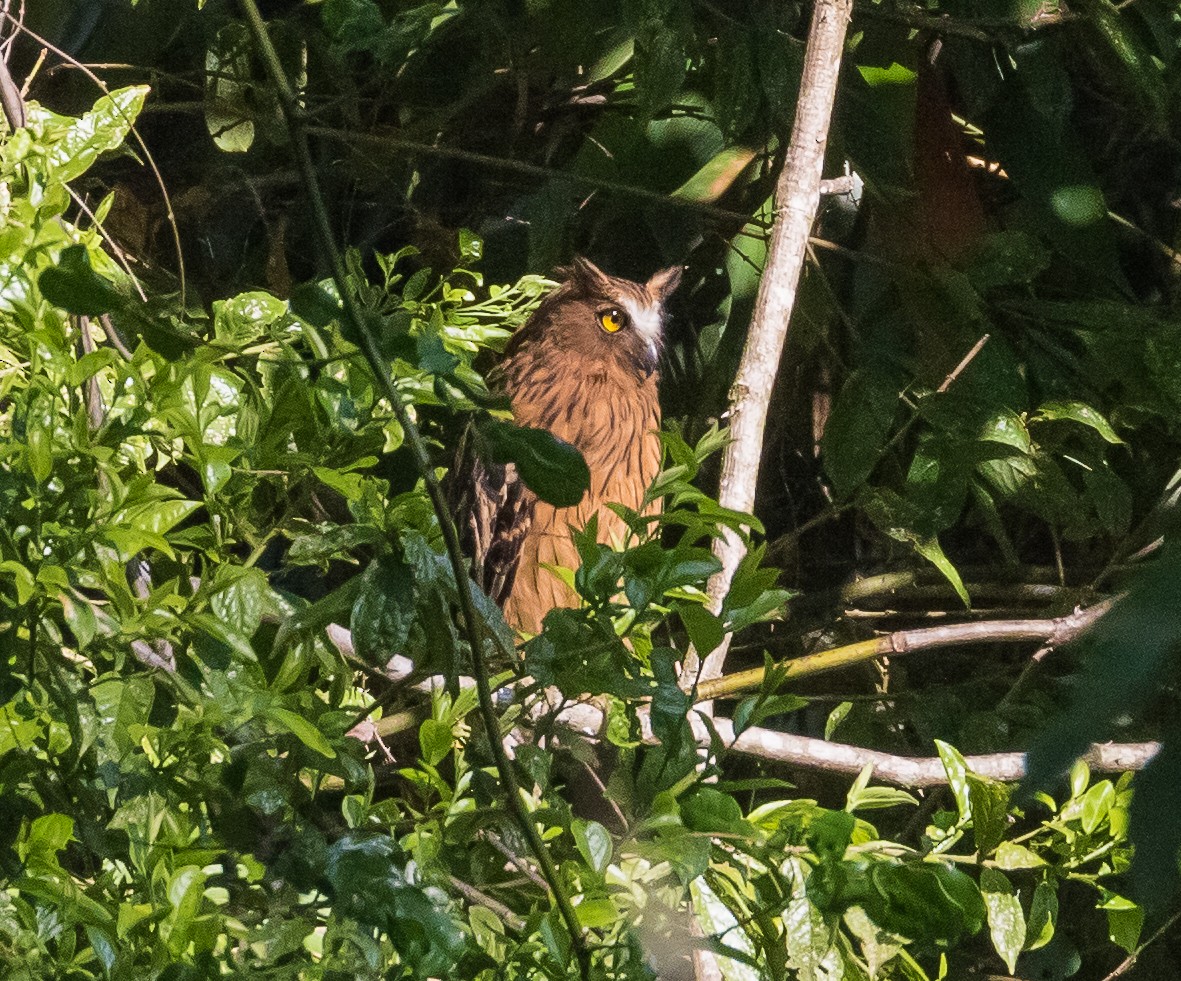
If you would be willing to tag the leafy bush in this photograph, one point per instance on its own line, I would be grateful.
(186, 790)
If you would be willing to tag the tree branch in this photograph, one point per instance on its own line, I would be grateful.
(1049, 632)
(797, 198)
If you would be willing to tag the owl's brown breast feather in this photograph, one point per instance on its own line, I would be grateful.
(594, 389)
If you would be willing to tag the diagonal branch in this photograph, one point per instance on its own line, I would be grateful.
(474, 626)
(797, 198)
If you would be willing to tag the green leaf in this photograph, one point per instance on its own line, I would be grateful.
(553, 469)
(1006, 922)
(122, 704)
(433, 356)
(47, 835)
(384, 610)
(957, 777)
(717, 176)
(990, 812)
(1043, 915)
(705, 630)
(186, 890)
(594, 843)
(1004, 258)
(858, 428)
(103, 128)
(74, 286)
(228, 89)
(79, 617)
(303, 730)
(660, 65)
(240, 597)
(1081, 413)
(925, 901)
(435, 740)
(835, 718)
(1125, 919)
(26, 585)
(830, 833)
(1096, 804)
(894, 74)
(709, 810)
(1010, 855)
(245, 318)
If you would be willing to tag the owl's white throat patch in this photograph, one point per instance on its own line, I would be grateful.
(647, 320)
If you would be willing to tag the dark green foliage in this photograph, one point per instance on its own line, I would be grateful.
(189, 781)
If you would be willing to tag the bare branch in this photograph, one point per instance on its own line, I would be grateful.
(797, 198)
(1048, 632)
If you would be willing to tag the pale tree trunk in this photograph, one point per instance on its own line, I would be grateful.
(797, 198)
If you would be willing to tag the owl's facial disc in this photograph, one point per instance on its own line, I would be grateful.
(646, 320)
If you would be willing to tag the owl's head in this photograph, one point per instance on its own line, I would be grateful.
(597, 317)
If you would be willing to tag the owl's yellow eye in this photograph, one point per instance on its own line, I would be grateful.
(611, 320)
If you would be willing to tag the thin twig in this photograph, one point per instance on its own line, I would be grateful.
(1130, 960)
(473, 895)
(397, 144)
(474, 626)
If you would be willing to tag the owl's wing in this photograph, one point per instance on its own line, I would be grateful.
(499, 519)
(494, 510)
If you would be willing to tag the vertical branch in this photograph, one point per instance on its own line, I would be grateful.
(797, 198)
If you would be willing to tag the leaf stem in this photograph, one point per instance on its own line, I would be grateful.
(474, 626)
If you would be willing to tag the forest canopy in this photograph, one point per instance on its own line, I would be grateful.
(258, 264)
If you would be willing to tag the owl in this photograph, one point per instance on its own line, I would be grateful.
(584, 366)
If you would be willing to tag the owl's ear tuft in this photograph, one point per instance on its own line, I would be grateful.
(664, 283)
(586, 274)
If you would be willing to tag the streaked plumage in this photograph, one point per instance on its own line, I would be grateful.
(584, 366)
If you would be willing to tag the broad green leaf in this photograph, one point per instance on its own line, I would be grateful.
(435, 740)
(1006, 922)
(303, 730)
(122, 705)
(553, 469)
(246, 317)
(835, 718)
(1006, 257)
(705, 630)
(74, 286)
(829, 834)
(709, 810)
(384, 610)
(1011, 855)
(240, 597)
(925, 900)
(1043, 915)
(1096, 804)
(990, 812)
(660, 65)
(103, 128)
(957, 777)
(716, 177)
(1081, 413)
(228, 89)
(22, 579)
(857, 429)
(594, 843)
(46, 836)
(185, 893)
(597, 914)
(1125, 919)
(894, 74)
